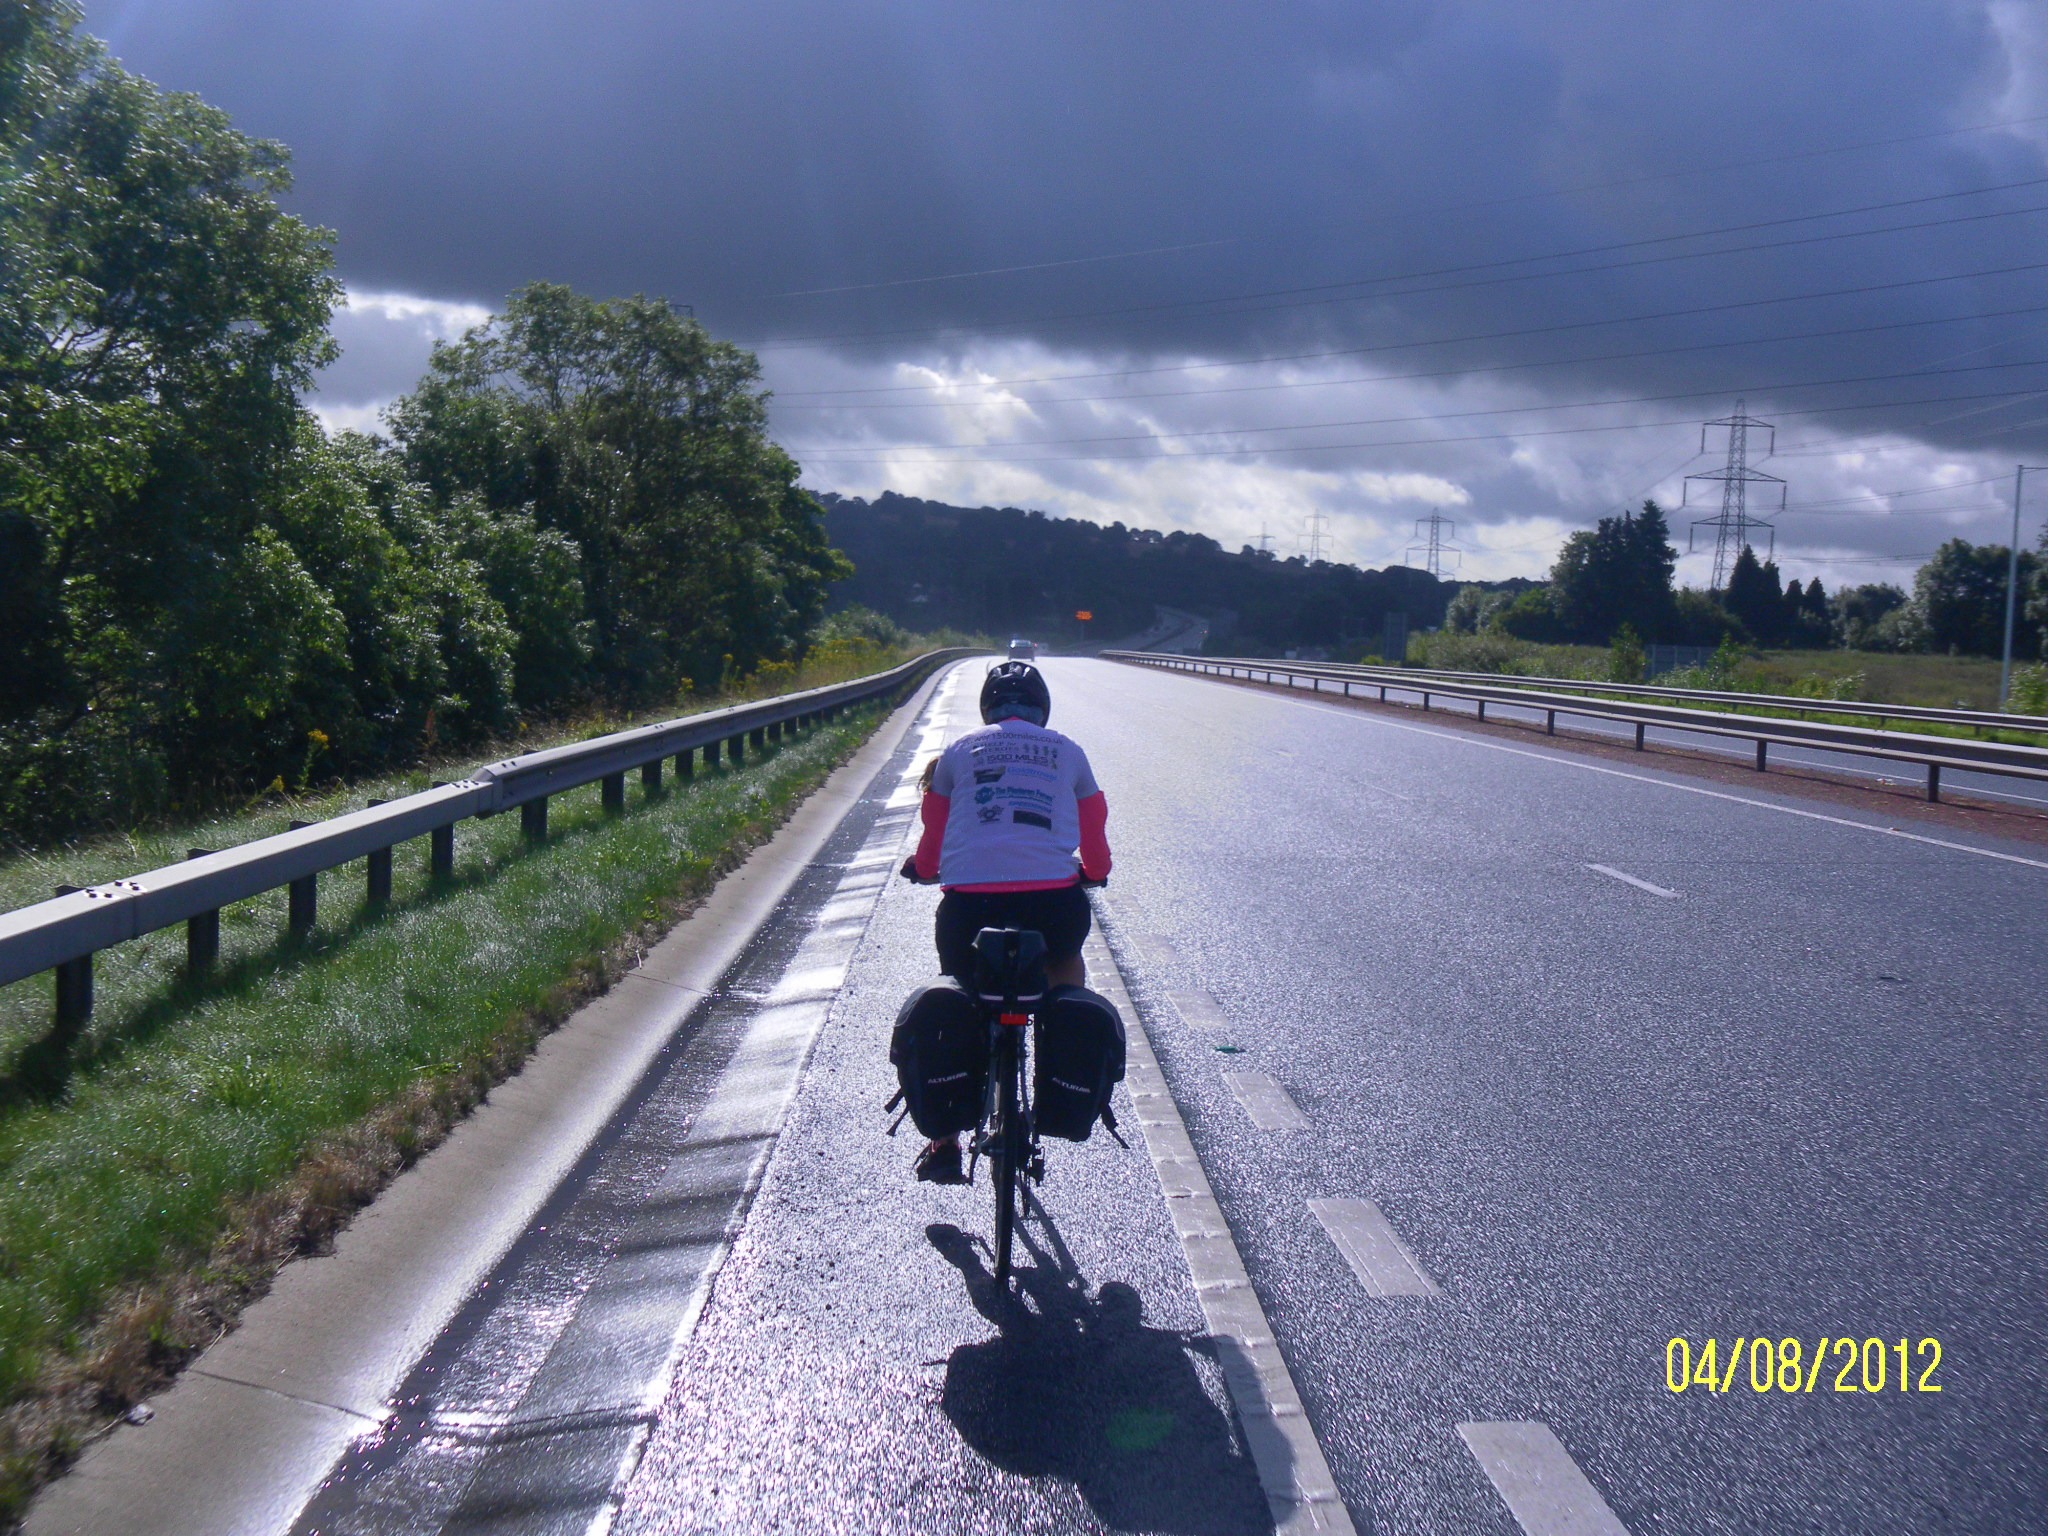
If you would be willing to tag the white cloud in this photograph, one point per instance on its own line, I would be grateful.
(385, 340)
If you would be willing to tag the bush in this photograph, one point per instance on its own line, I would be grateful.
(1534, 616)
(1626, 662)
(2029, 694)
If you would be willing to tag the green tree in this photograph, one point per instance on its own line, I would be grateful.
(1856, 611)
(1756, 597)
(1619, 573)
(625, 429)
(1961, 594)
(160, 317)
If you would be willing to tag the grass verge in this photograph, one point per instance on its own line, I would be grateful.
(206, 1132)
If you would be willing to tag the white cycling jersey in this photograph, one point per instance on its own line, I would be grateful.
(1013, 789)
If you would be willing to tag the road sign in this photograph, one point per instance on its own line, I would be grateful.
(1084, 614)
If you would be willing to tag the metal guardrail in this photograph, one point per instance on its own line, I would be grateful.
(63, 934)
(1930, 753)
(1978, 719)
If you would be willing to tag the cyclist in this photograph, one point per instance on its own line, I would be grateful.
(1006, 810)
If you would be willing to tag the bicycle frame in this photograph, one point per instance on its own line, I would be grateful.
(1007, 1136)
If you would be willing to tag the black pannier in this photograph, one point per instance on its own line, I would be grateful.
(940, 1050)
(1080, 1060)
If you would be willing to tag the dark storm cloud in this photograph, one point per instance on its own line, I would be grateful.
(731, 155)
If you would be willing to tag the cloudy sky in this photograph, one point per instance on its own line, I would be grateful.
(1227, 266)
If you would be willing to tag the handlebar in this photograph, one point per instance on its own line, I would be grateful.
(908, 871)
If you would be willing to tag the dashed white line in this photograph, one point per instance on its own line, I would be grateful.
(1161, 954)
(1544, 1488)
(1270, 1106)
(1198, 1008)
(1641, 885)
(1372, 1248)
(1300, 1489)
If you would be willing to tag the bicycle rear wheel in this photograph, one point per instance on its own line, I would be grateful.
(1005, 1155)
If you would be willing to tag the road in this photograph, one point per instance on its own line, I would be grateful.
(1614, 1057)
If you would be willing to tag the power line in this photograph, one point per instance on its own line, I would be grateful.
(1602, 186)
(1509, 410)
(1035, 266)
(1442, 373)
(1441, 341)
(787, 343)
(818, 456)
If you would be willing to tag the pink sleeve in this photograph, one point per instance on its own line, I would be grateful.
(935, 810)
(1095, 836)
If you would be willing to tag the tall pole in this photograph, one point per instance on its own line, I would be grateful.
(2012, 585)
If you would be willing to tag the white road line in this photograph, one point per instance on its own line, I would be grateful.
(1372, 1248)
(1160, 953)
(1271, 1107)
(1641, 885)
(1544, 1488)
(1300, 1490)
(1690, 789)
(1199, 1008)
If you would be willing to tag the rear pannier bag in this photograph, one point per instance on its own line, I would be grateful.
(940, 1051)
(1080, 1060)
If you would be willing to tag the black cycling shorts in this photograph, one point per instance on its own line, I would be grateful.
(1062, 915)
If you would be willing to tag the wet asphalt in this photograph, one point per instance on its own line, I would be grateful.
(1800, 1095)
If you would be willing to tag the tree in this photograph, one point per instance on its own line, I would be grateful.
(1755, 597)
(1961, 594)
(1856, 611)
(622, 427)
(1619, 573)
(160, 317)
(1703, 621)
(1474, 608)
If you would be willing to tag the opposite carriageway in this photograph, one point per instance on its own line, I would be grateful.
(1930, 754)
(62, 935)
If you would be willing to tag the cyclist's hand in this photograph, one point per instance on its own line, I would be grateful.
(909, 872)
(1094, 885)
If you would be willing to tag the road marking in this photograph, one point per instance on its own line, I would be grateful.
(1271, 1107)
(1199, 1008)
(1690, 789)
(1160, 953)
(1641, 885)
(1544, 1488)
(1372, 1248)
(1300, 1490)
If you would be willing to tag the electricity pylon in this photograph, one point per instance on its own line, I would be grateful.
(1433, 544)
(1732, 525)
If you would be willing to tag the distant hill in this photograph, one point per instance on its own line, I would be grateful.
(1003, 570)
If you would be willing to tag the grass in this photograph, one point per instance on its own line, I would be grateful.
(206, 1130)
(1848, 677)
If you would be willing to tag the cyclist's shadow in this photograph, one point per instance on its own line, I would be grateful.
(1076, 1387)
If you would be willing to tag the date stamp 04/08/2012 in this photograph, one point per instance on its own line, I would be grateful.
(1786, 1365)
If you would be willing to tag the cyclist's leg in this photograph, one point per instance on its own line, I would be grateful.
(1064, 917)
(959, 919)
(961, 915)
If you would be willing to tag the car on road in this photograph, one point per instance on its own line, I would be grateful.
(1023, 650)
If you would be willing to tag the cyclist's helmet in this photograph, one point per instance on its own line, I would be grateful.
(1015, 690)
